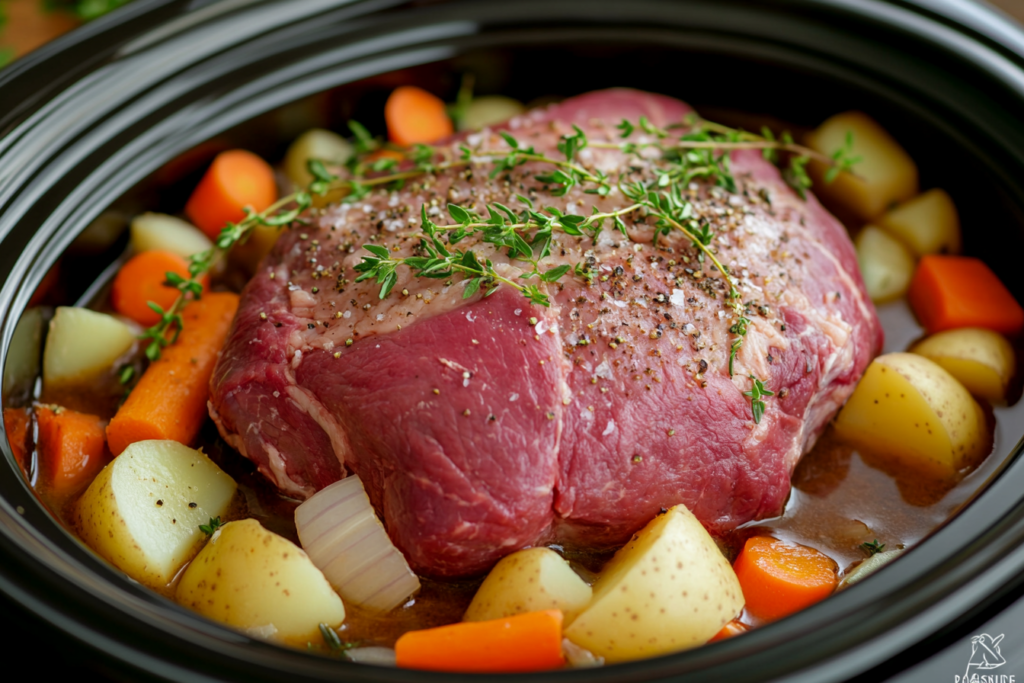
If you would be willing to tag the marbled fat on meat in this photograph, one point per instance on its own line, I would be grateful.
(478, 430)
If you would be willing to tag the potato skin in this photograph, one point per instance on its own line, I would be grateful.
(256, 581)
(137, 513)
(529, 581)
(982, 360)
(668, 589)
(911, 410)
(884, 175)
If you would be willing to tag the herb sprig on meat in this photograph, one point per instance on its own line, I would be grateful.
(699, 152)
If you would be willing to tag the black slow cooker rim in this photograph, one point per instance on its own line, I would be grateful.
(100, 607)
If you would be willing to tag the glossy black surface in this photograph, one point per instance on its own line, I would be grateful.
(89, 119)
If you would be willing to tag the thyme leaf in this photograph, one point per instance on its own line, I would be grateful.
(739, 328)
(873, 547)
(756, 393)
(208, 529)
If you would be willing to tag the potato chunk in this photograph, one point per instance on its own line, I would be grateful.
(160, 232)
(21, 366)
(259, 582)
(488, 111)
(928, 224)
(884, 175)
(668, 589)
(142, 512)
(316, 143)
(911, 410)
(529, 581)
(982, 360)
(82, 344)
(885, 264)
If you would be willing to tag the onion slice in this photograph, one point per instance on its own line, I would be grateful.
(343, 537)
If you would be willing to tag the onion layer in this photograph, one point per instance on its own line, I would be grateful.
(343, 537)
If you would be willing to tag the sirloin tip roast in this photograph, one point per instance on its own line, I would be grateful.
(487, 423)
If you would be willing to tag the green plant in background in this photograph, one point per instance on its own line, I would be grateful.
(85, 10)
(82, 10)
(6, 53)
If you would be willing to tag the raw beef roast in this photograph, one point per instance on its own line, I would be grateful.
(483, 425)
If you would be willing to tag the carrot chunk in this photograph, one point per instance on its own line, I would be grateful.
(72, 448)
(169, 402)
(414, 116)
(16, 423)
(144, 279)
(779, 578)
(525, 642)
(236, 179)
(733, 628)
(948, 292)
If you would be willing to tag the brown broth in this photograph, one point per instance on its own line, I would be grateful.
(840, 500)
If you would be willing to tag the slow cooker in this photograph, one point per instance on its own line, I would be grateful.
(119, 111)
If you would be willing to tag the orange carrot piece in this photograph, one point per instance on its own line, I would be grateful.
(16, 423)
(72, 448)
(733, 628)
(169, 402)
(236, 179)
(142, 280)
(948, 292)
(414, 116)
(525, 642)
(779, 579)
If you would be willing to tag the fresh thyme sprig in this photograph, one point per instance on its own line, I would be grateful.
(334, 642)
(284, 211)
(208, 529)
(872, 547)
(739, 328)
(700, 152)
(756, 393)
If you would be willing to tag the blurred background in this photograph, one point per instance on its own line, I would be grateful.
(27, 24)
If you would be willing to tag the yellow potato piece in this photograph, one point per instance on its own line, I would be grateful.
(885, 264)
(668, 589)
(316, 143)
(82, 344)
(142, 512)
(885, 173)
(489, 110)
(528, 581)
(981, 360)
(927, 224)
(258, 582)
(909, 409)
(160, 232)
(21, 367)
